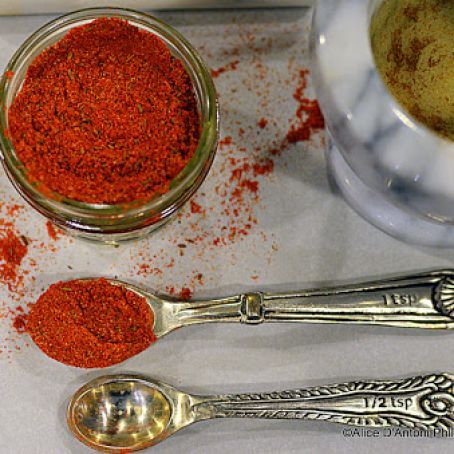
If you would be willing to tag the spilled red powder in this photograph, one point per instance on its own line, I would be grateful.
(12, 337)
(228, 67)
(146, 269)
(264, 168)
(90, 323)
(185, 293)
(309, 116)
(226, 141)
(19, 322)
(244, 165)
(52, 231)
(195, 207)
(262, 123)
(12, 210)
(12, 251)
(228, 216)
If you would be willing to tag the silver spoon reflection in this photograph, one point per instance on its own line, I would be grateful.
(130, 412)
(423, 300)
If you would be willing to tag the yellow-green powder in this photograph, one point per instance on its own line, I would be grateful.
(413, 45)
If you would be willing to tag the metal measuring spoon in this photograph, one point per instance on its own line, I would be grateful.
(414, 301)
(118, 412)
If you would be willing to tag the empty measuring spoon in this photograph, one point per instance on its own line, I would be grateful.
(130, 412)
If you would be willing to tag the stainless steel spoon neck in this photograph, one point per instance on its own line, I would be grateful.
(413, 301)
(244, 308)
(422, 402)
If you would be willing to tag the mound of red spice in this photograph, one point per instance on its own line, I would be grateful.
(90, 323)
(106, 115)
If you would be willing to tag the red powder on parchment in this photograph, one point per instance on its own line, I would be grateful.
(13, 249)
(19, 320)
(230, 216)
(226, 141)
(262, 123)
(195, 207)
(52, 231)
(228, 67)
(14, 320)
(185, 293)
(264, 167)
(309, 116)
(19, 266)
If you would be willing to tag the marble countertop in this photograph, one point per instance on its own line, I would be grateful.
(304, 235)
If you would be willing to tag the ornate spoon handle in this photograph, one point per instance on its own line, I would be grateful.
(425, 402)
(419, 301)
(414, 301)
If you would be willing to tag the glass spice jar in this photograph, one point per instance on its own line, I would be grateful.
(112, 223)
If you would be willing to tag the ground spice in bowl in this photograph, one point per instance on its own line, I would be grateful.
(413, 42)
(90, 323)
(106, 115)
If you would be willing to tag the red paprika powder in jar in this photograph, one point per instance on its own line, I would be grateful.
(112, 126)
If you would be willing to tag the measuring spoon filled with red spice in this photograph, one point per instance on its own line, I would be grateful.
(93, 323)
(108, 122)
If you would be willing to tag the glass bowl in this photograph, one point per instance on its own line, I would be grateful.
(394, 171)
(112, 223)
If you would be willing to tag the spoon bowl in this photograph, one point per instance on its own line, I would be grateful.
(114, 413)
